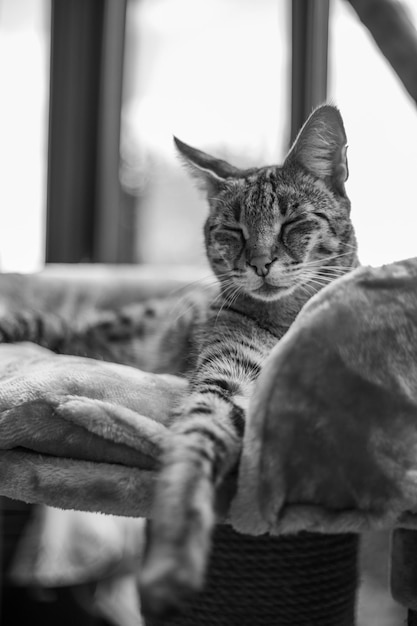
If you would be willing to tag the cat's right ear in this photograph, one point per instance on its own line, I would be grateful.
(210, 173)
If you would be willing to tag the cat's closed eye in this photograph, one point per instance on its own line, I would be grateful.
(322, 216)
(291, 223)
(234, 230)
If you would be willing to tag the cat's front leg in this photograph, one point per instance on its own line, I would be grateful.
(204, 445)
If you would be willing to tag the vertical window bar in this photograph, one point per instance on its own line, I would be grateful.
(310, 25)
(84, 197)
(76, 44)
(110, 244)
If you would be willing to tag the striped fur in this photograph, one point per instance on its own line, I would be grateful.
(155, 336)
(274, 237)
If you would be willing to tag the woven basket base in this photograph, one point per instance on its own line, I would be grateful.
(302, 580)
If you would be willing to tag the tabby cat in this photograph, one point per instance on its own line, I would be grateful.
(274, 236)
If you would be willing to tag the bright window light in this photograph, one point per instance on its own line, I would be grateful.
(24, 79)
(381, 124)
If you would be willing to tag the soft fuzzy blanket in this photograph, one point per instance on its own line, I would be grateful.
(77, 433)
(330, 444)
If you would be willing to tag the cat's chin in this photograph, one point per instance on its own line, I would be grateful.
(269, 293)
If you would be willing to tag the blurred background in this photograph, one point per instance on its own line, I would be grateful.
(93, 90)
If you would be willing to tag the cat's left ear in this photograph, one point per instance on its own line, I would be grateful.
(211, 174)
(321, 147)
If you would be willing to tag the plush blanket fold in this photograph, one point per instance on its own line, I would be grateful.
(332, 433)
(331, 439)
(78, 433)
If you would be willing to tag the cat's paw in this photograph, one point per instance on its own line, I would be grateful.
(177, 547)
(166, 588)
(179, 533)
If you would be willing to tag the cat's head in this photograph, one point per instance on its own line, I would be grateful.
(272, 230)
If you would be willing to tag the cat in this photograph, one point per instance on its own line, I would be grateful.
(274, 236)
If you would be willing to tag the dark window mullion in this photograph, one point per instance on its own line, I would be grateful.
(309, 44)
(76, 41)
(84, 201)
(110, 245)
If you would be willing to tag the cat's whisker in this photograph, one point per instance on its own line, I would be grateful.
(226, 286)
(345, 269)
(339, 268)
(333, 270)
(332, 274)
(324, 259)
(309, 292)
(350, 245)
(222, 306)
(230, 295)
(336, 269)
(230, 292)
(186, 303)
(234, 297)
(201, 288)
(207, 281)
(181, 313)
(315, 280)
(215, 301)
(197, 285)
(339, 255)
(319, 283)
(325, 279)
(300, 273)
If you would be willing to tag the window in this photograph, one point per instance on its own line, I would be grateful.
(216, 74)
(381, 124)
(24, 77)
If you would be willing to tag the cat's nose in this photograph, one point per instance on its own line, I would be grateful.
(261, 264)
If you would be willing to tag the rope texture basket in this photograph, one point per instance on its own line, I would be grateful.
(302, 580)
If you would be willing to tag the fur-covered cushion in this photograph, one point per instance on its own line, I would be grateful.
(331, 441)
(77, 433)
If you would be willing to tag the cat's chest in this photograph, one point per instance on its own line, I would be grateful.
(234, 345)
